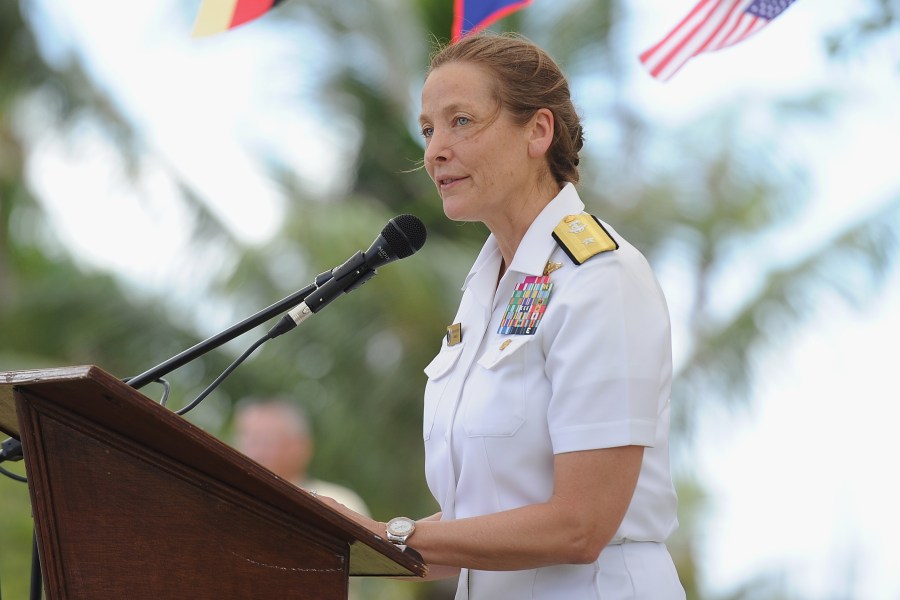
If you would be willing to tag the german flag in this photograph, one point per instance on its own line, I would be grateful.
(216, 16)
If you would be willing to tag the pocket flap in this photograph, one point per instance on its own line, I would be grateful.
(443, 362)
(502, 350)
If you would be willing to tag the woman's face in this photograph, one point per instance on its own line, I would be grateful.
(474, 152)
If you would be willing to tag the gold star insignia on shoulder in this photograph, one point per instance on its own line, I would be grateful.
(583, 236)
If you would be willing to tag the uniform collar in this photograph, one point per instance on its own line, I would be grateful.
(537, 244)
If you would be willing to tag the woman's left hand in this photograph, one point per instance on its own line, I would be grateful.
(372, 525)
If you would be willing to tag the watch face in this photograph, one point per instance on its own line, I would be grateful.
(401, 526)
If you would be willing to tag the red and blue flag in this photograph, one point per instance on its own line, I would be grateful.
(711, 25)
(470, 16)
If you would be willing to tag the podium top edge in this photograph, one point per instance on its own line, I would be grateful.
(26, 376)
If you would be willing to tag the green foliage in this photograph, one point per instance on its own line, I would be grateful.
(877, 25)
(16, 530)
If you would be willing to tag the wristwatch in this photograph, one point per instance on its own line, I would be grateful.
(399, 529)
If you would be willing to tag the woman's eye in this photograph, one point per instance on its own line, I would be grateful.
(427, 132)
(463, 120)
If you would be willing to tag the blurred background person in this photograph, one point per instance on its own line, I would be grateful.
(276, 433)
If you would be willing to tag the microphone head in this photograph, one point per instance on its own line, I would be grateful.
(405, 235)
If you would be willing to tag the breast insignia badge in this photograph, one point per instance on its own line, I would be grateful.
(583, 236)
(551, 266)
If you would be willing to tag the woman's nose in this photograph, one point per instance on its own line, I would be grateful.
(436, 150)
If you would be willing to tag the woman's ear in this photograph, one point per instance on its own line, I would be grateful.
(540, 133)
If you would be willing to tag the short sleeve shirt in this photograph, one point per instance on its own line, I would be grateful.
(596, 373)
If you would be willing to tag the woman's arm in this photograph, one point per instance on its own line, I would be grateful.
(591, 492)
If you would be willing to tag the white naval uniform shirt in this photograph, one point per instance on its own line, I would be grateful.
(596, 374)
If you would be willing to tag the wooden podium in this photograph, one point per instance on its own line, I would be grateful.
(132, 501)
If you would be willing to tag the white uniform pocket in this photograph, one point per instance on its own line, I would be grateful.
(438, 371)
(495, 392)
(503, 351)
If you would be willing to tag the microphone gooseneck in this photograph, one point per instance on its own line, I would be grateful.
(401, 237)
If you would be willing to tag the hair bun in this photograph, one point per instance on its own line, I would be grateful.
(579, 138)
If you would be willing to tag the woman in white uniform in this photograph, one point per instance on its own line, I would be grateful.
(546, 412)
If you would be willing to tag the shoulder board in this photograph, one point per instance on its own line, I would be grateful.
(582, 236)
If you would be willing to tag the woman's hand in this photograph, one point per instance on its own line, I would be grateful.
(372, 525)
(435, 572)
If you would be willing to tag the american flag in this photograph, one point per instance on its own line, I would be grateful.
(470, 16)
(713, 24)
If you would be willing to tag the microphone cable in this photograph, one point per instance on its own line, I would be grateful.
(12, 475)
(166, 388)
(234, 365)
(403, 236)
(11, 449)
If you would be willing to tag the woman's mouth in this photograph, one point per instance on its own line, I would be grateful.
(449, 182)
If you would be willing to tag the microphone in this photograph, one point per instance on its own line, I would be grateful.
(403, 236)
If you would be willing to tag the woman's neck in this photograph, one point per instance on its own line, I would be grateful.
(510, 228)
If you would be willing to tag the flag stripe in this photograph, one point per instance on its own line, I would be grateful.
(753, 25)
(459, 8)
(686, 44)
(741, 31)
(668, 53)
(732, 36)
(732, 16)
(649, 53)
(463, 24)
(214, 17)
(247, 10)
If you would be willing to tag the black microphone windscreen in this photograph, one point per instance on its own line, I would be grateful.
(405, 235)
